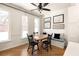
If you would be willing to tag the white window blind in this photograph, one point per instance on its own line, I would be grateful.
(4, 26)
(24, 26)
(37, 24)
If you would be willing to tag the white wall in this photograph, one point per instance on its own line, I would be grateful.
(73, 23)
(53, 13)
(15, 28)
(71, 20)
(61, 31)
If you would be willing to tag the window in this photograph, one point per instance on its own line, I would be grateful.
(4, 26)
(37, 24)
(24, 26)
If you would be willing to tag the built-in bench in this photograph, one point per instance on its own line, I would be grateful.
(58, 41)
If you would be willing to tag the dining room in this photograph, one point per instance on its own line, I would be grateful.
(37, 29)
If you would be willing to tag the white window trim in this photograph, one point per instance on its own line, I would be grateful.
(8, 40)
(22, 28)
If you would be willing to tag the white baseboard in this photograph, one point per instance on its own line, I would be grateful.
(13, 46)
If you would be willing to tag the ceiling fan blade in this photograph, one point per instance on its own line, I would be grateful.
(45, 4)
(34, 4)
(46, 9)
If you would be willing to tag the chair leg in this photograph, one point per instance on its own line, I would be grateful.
(32, 49)
(50, 46)
(42, 45)
(38, 46)
(46, 47)
(28, 48)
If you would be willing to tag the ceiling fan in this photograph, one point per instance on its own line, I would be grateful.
(41, 6)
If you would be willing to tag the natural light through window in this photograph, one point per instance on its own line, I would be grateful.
(4, 26)
(24, 26)
(37, 24)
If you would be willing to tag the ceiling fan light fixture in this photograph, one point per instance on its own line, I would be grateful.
(40, 11)
(41, 7)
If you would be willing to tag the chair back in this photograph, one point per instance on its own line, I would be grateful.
(35, 33)
(49, 38)
(30, 38)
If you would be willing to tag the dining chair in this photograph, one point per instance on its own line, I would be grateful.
(44, 33)
(32, 43)
(35, 33)
(47, 43)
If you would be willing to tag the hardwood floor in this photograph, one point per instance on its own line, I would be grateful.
(22, 51)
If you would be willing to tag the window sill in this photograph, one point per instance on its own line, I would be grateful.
(25, 37)
(4, 41)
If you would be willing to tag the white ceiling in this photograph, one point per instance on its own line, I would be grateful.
(52, 6)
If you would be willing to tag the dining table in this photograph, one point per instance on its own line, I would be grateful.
(40, 38)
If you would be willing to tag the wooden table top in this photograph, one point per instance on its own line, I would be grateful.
(40, 37)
